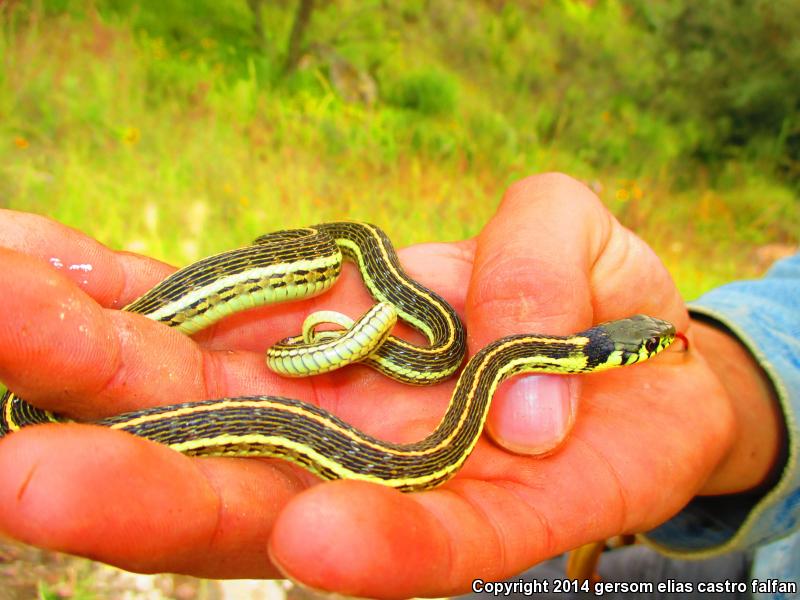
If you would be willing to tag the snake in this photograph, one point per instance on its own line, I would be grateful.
(301, 263)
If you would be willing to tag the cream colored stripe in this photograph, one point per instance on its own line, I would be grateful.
(229, 281)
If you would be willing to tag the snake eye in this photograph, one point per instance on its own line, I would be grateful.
(651, 345)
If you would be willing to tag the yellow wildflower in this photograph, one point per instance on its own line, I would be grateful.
(131, 135)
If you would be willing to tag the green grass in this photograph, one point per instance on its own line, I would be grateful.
(157, 136)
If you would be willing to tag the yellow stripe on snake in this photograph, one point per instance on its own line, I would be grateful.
(300, 263)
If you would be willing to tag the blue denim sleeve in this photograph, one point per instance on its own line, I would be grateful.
(765, 315)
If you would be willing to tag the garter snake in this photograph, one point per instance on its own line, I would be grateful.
(300, 263)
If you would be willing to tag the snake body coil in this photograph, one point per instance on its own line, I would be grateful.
(301, 263)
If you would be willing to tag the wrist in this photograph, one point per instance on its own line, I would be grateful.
(759, 438)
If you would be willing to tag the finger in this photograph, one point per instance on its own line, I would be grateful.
(531, 275)
(533, 260)
(62, 351)
(398, 546)
(113, 279)
(553, 260)
(58, 339)
(160, 511)
(382, 550)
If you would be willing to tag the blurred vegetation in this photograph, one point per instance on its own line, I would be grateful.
(183, 128)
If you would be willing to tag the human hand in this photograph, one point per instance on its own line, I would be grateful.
(645, 440)
(91, 491)
(501, 514)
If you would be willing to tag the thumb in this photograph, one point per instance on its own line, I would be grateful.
(532, 275)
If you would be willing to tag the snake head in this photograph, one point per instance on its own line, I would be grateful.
(628, 341)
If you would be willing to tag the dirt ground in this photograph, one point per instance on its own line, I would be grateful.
(27, 573)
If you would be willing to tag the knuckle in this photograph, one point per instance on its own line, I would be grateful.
(516, 291)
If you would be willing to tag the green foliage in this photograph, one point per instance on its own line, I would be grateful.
(215, 29)
(81, 591)
(429, 92)
(145, 123)
(735, 68)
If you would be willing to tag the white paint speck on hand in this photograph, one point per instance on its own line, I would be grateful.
(86, 268)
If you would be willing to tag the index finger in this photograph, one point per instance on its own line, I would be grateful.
(112, 278)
